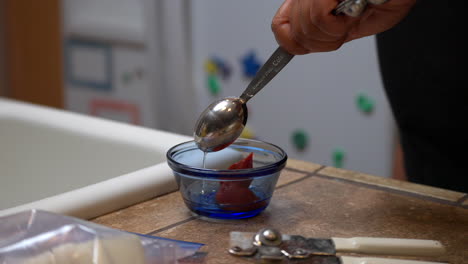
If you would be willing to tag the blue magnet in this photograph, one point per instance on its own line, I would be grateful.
(251, 64)
(224, 69)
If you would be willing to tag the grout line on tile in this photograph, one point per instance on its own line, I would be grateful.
(307, 175)
(306, 172)
(172, 225)
(390, 190)
(317, 170)
(293, 182)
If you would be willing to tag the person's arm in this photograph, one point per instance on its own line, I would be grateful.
(306, 26)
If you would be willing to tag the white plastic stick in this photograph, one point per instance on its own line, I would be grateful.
(365, 260)
(389, 246)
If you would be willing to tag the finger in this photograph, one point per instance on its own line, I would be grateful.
(333, 25)
(378, 18)
(312, 40)
(305, 17)
(306, 33)
(303, 27)
(282, 29)
(356, 31)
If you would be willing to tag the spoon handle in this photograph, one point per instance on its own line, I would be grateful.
(274, 64)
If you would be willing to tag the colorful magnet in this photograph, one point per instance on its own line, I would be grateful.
(247, 133)
(213, 84)
(216, 68)
(300, 139)
(338, 157)
(211, 67)
(250, 64)
(126, 77)
(139, 72)
(223, 67)
(364, 103)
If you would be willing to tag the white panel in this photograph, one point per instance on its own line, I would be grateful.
(132, 82)
(89, 64)
(113, 20)
(130, 86)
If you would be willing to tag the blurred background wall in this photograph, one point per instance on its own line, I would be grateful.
(2, 50)
(33, 57)
(159, 63)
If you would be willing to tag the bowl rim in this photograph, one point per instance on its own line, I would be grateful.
(225, 173)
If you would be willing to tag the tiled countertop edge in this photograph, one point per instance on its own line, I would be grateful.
(396, 186)
(306, 170)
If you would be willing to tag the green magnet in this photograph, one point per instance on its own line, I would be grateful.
(364, 103)
(213, 84)
(300, 139)
(338, 156)
(126, 77)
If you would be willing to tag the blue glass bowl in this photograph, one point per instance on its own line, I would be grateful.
(214, 191)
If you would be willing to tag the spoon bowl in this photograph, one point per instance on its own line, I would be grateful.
(220, 124)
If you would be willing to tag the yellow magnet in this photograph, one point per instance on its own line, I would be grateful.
(247, 133)
(211, 67)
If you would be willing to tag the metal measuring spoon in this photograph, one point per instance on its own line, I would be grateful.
(222, 122)
(355, 8)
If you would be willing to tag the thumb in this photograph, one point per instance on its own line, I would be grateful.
(281, 28)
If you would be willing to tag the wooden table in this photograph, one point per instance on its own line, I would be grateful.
(317, 201)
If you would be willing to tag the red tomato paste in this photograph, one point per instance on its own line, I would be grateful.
(236, 195)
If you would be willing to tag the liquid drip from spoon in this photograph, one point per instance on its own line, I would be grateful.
(204, 159)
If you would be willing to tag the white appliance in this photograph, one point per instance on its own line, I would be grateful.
(328, 108)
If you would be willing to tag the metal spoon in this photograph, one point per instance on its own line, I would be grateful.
(222, 122)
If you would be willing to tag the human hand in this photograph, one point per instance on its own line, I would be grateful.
(306, 26)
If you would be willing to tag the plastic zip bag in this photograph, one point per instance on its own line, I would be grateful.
(40, 237)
